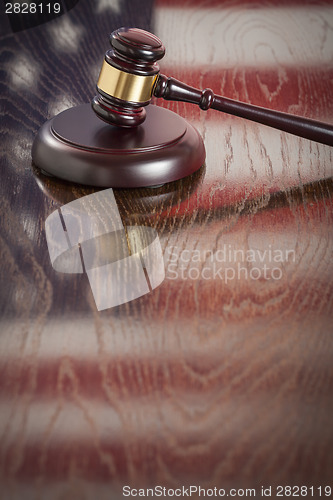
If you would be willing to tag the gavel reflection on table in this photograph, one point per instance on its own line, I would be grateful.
(142, 145)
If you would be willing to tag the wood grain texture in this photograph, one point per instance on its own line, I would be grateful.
(202, 381)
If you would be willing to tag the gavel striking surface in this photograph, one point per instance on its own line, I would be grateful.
(79, 147)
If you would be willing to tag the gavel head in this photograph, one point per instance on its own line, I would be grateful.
(127, 78)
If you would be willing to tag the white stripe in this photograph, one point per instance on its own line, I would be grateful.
(241, 151)
(231, 37)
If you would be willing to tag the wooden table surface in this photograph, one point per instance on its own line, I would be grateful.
(216, 380)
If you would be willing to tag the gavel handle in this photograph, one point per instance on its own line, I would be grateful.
(174, 90)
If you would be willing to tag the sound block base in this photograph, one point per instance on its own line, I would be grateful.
(79, 147)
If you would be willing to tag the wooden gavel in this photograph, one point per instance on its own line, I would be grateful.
(130, 77)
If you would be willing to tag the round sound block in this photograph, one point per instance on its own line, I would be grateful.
(78, 146)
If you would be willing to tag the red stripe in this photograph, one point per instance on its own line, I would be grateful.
(275, 88)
